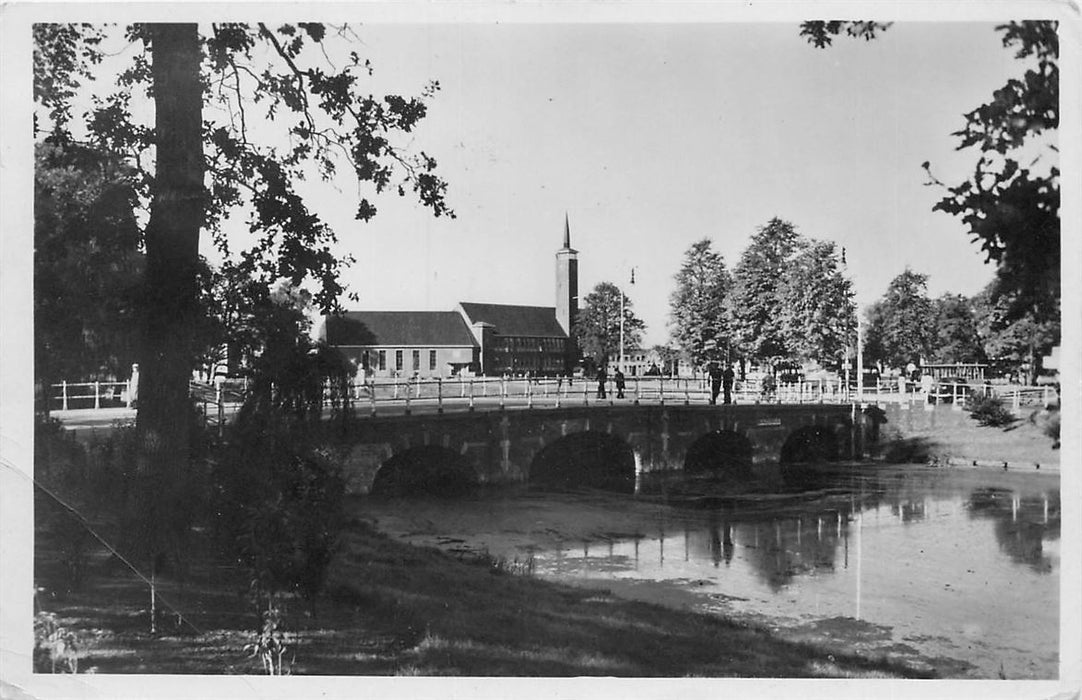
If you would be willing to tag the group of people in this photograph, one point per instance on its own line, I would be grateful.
(719, 379)
(617, 378)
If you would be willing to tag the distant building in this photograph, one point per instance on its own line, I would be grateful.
(403, 343)
(489, 339)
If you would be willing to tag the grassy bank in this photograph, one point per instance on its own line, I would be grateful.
(943, 435)
(395, 609)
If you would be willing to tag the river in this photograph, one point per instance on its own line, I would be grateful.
(951, 569)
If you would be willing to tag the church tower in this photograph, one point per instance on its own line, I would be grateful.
(567, 290)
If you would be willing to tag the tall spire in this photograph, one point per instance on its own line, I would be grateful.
(567, 232)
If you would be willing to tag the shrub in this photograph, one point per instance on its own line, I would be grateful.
(280, 490)
(989, 410)
(55, 646)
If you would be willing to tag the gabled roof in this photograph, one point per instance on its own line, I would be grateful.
(533, 321)
(428, 328)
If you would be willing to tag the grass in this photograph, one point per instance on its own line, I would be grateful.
(954, 434)
(394, 609)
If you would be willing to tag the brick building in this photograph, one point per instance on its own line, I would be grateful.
(482, 338)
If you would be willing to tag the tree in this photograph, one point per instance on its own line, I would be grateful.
(698, 313)
(754, 302)
(597, 329)
(87, 265)
(817, 315)
(1021, 342)
(901, 324)
(207, 164)
(1011, 210)
(957, 338)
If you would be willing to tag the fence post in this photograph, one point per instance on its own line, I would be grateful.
(439, 395)
(1017, 402)
(64, 394)
(221, 409)
(97, 395)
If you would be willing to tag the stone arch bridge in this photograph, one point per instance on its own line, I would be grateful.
(513, 446)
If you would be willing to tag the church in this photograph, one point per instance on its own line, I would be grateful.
(474, 338)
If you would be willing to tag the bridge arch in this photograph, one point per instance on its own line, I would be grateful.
(591, 459)
(812, 443)
(424, 470)
(720, 453)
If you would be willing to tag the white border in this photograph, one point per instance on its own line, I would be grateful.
(16, 235)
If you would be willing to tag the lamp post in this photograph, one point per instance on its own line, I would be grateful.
(620, 359)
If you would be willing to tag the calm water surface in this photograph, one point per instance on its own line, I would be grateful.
(957, 570)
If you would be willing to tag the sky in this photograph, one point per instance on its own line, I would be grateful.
(651, 136)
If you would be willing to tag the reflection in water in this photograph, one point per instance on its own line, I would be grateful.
(957, 564)
(1021, 525)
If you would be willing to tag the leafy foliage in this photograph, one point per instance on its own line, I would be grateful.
(754, 301)
(901, 324)
(56, 648)
(821, 33)
(597, 329)
(207, 155)
(699, 317)
(957, 336)
(1021, 341)
(280, 487)
(989, 410)
(1010, 203)
(87, 265)
(817, 315)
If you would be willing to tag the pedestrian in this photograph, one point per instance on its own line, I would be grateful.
(727, 379)
(602, 377)
(620, 383)
(715, 381)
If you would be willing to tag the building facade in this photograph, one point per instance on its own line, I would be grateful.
(478, 338)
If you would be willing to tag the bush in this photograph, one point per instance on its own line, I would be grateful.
(56, 648)
(280, 490)
(990, 410)
(1048, 419)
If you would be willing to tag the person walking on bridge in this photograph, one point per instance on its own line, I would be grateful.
(602, 377)
(621, 384)
(714, 371)
(727, 379)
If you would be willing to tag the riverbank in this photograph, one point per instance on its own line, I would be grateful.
(395, 609)
(947, 436)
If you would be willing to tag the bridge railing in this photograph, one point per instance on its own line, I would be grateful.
(219, 401)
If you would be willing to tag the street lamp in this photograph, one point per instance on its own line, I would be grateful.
(620, 360)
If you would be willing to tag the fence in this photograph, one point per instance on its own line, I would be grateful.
(68, 396)
(218, 401)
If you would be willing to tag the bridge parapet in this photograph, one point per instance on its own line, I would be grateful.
(501, 446)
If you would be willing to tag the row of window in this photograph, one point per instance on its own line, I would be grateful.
(399, 360)
(527, 343)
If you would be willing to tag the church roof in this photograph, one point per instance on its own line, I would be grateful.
(428, 328)
(531, 321)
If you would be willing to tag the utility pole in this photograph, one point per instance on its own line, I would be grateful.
(620, 359)
(860, 360)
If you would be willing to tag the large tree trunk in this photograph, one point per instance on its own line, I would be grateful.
(172, 253)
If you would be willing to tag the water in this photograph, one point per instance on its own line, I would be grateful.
(956, 570)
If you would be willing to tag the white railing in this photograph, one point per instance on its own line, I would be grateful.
(403, 394)
(72, 395)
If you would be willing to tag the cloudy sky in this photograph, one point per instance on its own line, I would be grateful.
(650, 136)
